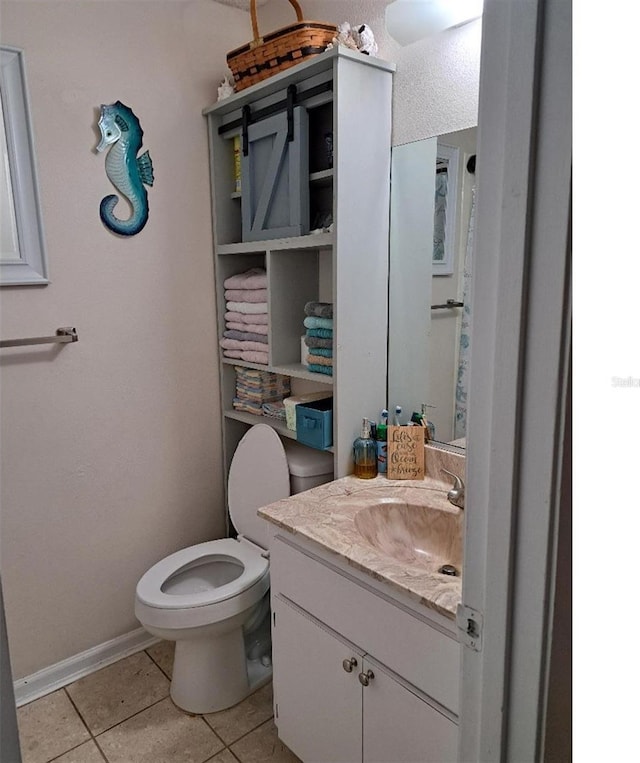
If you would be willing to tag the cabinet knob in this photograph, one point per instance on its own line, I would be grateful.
(365, 678)
(350, 664)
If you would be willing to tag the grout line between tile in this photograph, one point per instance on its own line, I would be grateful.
(66, 752)
(91, 735)
(164, 672)
(124, 720)
(264, 723)
(75, 707)
(240, 737)
(101, 751)
(229, 750)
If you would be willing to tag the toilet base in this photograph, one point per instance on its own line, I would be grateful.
(212, 674)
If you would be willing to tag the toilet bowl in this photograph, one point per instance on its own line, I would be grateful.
(212, 599)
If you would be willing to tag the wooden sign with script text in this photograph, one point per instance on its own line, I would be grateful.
(405, 453)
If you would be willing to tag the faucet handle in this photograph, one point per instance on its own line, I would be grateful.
(455, 496)
(458, 484)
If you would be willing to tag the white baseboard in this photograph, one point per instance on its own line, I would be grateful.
(67, 671)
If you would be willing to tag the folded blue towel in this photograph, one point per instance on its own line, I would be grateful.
(322, 351)
(316, 369)
(312, 322)
(322, 333)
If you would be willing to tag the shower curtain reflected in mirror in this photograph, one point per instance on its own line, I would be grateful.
(462, 381)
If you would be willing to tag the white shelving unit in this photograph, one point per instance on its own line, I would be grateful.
(348, 94)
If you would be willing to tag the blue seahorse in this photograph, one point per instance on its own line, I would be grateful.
(120, 130)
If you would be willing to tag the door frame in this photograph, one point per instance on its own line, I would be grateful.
(519, 376)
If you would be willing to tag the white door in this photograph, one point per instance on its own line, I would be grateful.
(317, 695)
(400, 727)
(519, 371)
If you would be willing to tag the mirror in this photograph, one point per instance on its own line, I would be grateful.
(430, 266)
(22, 257)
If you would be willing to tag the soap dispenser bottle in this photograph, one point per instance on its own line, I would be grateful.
(365, 464)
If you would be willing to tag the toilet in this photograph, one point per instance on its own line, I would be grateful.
(212, 599)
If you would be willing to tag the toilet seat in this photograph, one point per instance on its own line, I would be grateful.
(175, 595)
(150, 587)
(259, 474)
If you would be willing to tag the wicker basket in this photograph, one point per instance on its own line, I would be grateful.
(275, 52)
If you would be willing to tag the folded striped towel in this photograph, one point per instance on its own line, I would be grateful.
(322, 351)
(247, 308)
(319, 309)
(275, 410)
(316, 368)
(311, 322)
(255, 278)
(245, 405)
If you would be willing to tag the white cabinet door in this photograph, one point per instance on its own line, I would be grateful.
(400, 727)
(318, 703)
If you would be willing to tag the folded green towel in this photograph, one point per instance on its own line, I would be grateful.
(312, 322)
(321, 351)
(322, 333)
(316, 369)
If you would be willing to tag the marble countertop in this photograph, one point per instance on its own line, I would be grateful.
(326, 514)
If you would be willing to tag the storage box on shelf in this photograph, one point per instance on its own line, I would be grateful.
(314, 423)
(339, 173)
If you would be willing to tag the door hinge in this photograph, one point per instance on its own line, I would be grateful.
(276, 710)
(274, 619)
(470, 625)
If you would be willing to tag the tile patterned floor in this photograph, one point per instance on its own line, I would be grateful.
(123, 714)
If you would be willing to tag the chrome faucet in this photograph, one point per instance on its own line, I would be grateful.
(455, 496)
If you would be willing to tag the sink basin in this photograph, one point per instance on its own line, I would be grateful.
(412, 531)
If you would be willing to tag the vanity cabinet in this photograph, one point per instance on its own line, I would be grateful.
(357, 677)
(313, 211)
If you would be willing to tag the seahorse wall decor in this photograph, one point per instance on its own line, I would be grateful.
(122, 135)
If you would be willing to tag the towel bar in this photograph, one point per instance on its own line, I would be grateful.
(63, 336)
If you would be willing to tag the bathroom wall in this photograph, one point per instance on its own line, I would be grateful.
(436, 82)
(111, 453)
(110, 448)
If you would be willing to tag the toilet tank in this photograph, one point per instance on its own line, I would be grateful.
(308, 467)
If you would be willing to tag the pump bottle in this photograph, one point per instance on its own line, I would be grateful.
(364, 454)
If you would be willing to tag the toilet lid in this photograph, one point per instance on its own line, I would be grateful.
(259, 475)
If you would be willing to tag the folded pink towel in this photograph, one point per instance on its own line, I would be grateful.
(242, 344)
(245, 295)
(256, 278)
(251, 356)
(242, 318)
(247, 308)
(251, 328)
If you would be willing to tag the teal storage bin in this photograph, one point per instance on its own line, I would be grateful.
(314, 423)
